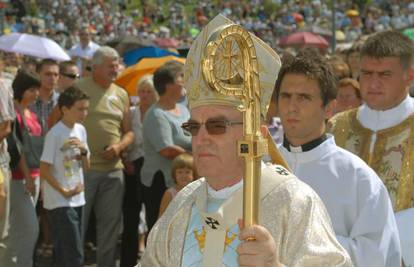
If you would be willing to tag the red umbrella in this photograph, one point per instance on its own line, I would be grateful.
(166, 42)
(304, 39)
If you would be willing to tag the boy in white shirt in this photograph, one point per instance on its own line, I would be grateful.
(65, 154)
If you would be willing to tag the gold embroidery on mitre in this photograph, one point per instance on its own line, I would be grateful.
(226, 67)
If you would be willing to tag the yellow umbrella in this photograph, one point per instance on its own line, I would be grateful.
(352, 13)
(129, 78)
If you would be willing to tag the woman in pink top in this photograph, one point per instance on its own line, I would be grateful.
(24, 187)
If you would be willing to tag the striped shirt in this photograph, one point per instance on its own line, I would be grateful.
(43, 109)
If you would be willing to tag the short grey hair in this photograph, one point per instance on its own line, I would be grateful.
(103, 53)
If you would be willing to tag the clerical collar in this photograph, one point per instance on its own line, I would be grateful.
(305, 147)
(376, 120)
(224, 193)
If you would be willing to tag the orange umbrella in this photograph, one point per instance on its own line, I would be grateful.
(129, 78)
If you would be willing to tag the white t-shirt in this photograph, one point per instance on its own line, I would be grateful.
(66, 165)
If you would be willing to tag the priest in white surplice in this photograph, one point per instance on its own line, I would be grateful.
(356, 199)
(381, 131)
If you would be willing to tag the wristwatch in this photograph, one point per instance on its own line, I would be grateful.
(84, 152)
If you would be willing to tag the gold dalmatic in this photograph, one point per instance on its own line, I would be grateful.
(392, 156)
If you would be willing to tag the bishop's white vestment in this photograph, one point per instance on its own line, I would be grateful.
(290, 210)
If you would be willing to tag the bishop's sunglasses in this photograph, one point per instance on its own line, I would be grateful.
(71, 76)
(213, 127)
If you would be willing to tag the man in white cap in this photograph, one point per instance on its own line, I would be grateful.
(202, 226)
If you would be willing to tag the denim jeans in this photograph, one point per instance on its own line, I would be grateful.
(67, 236)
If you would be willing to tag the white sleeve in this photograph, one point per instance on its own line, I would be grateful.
(84, 139)
(49, 148)
(405, 219)
(374, 240)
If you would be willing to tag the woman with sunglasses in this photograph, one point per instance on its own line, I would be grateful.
(164, 139)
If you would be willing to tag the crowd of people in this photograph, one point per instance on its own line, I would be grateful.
(78, 156)
(108, 20)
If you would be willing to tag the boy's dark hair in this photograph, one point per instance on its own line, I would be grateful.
(313, 65)
(23, 81)
(69, 97)
(44, 62)
(389, 44)
(167, 74)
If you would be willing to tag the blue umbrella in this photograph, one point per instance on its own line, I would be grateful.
(133, 56)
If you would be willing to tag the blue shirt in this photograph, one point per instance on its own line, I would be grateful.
(162, 129)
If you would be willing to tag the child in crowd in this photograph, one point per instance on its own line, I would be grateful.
(65, 154)
(183, 172)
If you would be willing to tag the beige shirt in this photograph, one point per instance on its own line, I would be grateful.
(104, 121)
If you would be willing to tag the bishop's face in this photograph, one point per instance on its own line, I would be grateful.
(216, 155)
(301, 109)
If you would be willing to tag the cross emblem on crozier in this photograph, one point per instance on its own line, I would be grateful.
(212, 223)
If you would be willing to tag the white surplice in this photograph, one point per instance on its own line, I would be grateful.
(356, 199)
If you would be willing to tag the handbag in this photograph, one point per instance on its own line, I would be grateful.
(32, 145)
(14, 147)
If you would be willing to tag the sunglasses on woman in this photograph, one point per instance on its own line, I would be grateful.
(213, 127)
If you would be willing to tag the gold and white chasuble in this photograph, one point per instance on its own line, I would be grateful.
(390, 152)
(290, 210)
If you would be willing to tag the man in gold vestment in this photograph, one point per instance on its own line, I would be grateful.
(381, 131)
(201, 226)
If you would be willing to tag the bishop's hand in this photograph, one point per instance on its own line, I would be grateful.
(257, 247)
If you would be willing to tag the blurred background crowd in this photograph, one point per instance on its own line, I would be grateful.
(61, 20)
